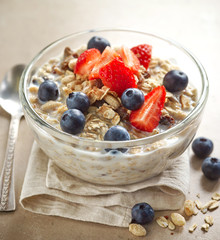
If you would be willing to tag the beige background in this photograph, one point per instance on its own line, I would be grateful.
(27, 26)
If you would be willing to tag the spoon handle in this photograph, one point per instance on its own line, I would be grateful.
(7, 192)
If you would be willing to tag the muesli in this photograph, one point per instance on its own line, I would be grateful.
(87, 71)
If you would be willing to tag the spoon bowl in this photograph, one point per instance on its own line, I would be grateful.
(9, 97)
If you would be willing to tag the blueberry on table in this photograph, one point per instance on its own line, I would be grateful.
(202, 147)
(211, 168)
(98, 43)
(78, 100)
(142, 213)
(48, 90)
(132, 98)
(116, 133)
(72, 121)
(175, 81)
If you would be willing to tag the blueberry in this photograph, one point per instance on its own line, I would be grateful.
(132, 98)
(48, 90)
(142, 213)
(116, 133)
(202, 147)
(72, 121)
(175, 81)
(78, 100)
(211, 168)
(98, 43)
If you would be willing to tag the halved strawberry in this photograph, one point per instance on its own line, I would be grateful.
(117, 76)
(143, 53)
(147, 117)
(129, 58)
(86, 61)
(107, 55)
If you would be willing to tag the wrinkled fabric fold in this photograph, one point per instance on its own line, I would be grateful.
(49, 190)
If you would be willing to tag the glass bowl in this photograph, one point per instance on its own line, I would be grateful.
(145, 157)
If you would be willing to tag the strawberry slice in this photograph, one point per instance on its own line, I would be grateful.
(86, 61)
(129, 58)
(107, 55)
(147, 117)
(117, 76)
(143, 53)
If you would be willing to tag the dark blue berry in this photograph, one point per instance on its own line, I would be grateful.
(78, 100)
(175, 81)
(98, 43)
(116, 133)
(48, 90)
(202, 147)
(132, 98)
(72, 121)
(142, 213)
(211, 168)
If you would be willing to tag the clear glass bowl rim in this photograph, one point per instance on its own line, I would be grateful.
(131, 143)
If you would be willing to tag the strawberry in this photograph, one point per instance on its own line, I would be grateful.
(143, 53)
(117, 76)
(86, 61)
(129, 58)
(147, 117)
(107, 55)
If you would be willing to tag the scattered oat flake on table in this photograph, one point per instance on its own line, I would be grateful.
(195, 212)
(193, 228)
(209, 220)
(198, 195)
(171, 226)
(137, 230)
(198, 204)
(205, 227)
(162, 221)
(216, 196)
(189, 207)
(178, 219)
(214, 205)
(208, 204)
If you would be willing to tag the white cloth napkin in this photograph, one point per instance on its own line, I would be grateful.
(49, 190)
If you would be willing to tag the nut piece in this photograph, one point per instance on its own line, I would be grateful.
(189, 207)
(137, 230)
(178, 219)
(198, 204)
(209, 220)
(171, 226)
(214, 205)
(216, 196)
(193, 228)
(162, 221)
(205, 227)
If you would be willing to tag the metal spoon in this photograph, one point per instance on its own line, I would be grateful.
(9, 101)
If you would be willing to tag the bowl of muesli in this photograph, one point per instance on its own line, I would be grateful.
(114, 106)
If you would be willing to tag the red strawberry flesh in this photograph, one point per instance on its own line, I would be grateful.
(117, 76)
(129, 58)
(107, 55)
(148, 116)
(143, 53)
(86, 61)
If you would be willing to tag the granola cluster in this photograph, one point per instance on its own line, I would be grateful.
(105, 108)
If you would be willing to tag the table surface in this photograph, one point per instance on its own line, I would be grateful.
(27, 26)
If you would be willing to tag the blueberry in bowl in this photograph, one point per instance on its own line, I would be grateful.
(70, 129)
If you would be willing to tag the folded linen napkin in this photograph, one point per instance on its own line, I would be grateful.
(49, 190)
